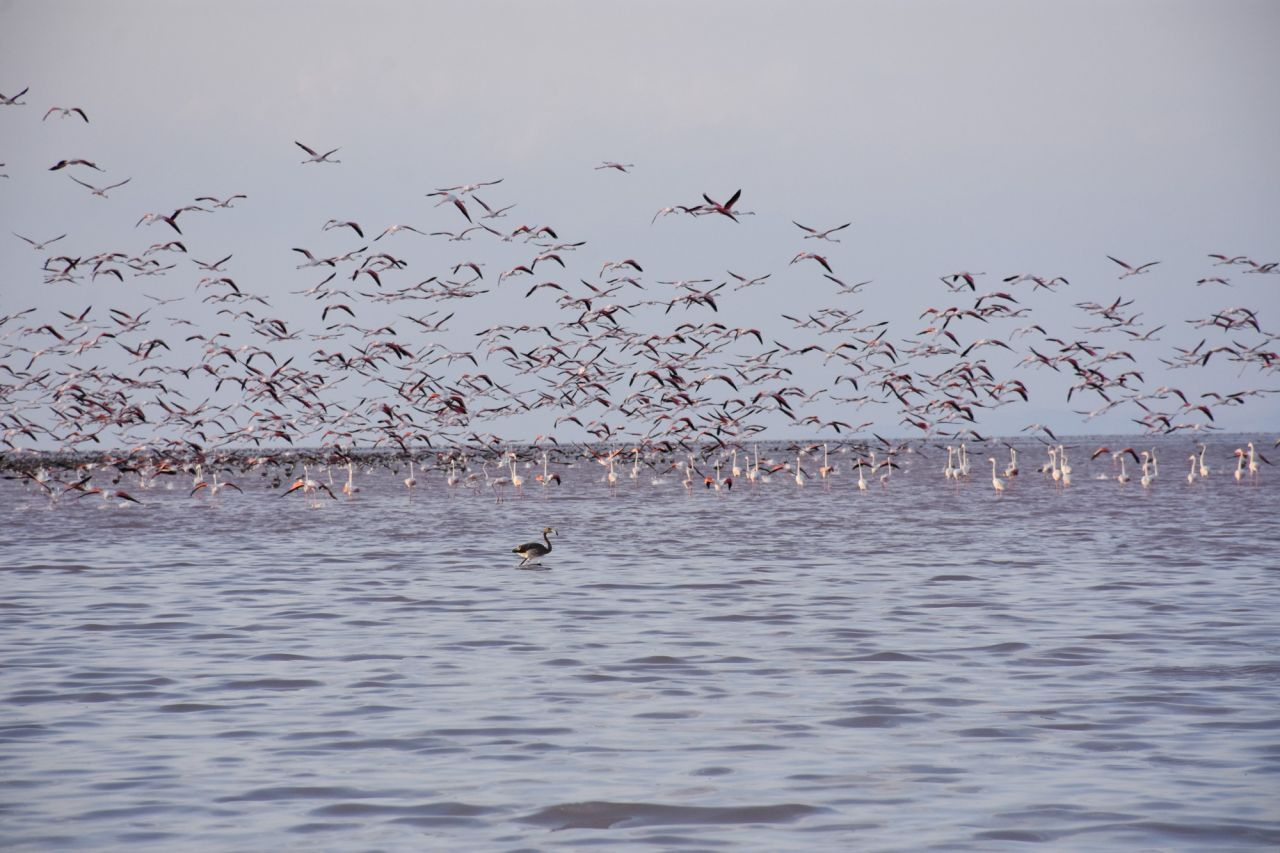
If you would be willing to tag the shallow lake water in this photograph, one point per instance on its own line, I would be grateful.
(926, 665)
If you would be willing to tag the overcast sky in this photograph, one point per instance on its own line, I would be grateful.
(994, 137)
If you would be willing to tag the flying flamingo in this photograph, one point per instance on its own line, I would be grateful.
(1132, 270)
(317, 158)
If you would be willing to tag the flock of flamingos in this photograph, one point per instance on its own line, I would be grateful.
(152, 362)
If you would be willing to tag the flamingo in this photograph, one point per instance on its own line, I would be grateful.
(516, 480)
(716, 483)
(308, 486)
(410, 481)
(862, 481)
(826, 470)
(612, 476)
(215, 487)
(108, 494)
(350, 488)
(498, 484)
(546, 478)
(1012, 470)
(531, 552)
(1122, 477)
(1132, 270)
(1191, 475)
(1204, 469)
(315, 157)
(996, 482)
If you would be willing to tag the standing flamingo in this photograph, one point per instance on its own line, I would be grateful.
(996, 482)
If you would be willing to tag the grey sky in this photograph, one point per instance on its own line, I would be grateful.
(996, 137)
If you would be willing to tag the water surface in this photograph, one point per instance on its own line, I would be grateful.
(924, 666)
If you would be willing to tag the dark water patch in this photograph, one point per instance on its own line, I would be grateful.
(366, 710)
(306, 792)
(888, 656)
(1240, 725)
(504, 731)
(135, 626)
(146, 837)
(367, 809)
(990, 732)
(1023, 835)
(869, 721)
(392, 744)
(313, 828)
(607, 815)
(268, 684)
(1115, 745)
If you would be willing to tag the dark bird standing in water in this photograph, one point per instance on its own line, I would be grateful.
(533, 551)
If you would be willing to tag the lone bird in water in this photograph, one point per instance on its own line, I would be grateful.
(533, 551)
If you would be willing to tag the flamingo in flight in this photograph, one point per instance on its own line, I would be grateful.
(317, 158)
(1130, 269)
(816, 234)
(725, 209)
(66, 112)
